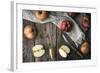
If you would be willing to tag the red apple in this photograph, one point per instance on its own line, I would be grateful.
(65, 25)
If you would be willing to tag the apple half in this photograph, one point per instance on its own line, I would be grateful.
(64, 51)
(38, 50)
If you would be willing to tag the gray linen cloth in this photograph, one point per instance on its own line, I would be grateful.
(56, 17)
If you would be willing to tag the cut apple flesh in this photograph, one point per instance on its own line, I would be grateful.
(51, 53)
(38, 51)
(64, 51)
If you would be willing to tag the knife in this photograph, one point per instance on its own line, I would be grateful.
(71, 43)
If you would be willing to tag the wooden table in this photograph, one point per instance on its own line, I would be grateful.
(44, 33)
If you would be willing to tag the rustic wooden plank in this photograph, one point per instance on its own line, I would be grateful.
(27, 45)
(49, 39)
(30, 44)
(58, 41)
(42, 38)
(44, 41)
(54, 43)
(25, 50)
(38, 39)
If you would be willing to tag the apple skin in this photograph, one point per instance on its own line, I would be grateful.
(85, 48)
(65, 25)
(30, 32)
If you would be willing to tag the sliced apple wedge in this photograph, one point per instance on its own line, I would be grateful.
(52, 53)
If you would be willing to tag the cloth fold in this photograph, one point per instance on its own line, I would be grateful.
(56, 17)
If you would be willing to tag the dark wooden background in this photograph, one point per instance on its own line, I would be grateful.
(45, 32)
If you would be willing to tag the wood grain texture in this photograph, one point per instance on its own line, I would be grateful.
(50, 36)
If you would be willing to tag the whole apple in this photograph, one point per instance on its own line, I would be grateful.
(65, 25)
(30, 32)
(85, 48)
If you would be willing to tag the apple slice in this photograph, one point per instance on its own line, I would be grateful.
(52, 53)
(64, 51)
(38, 50)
